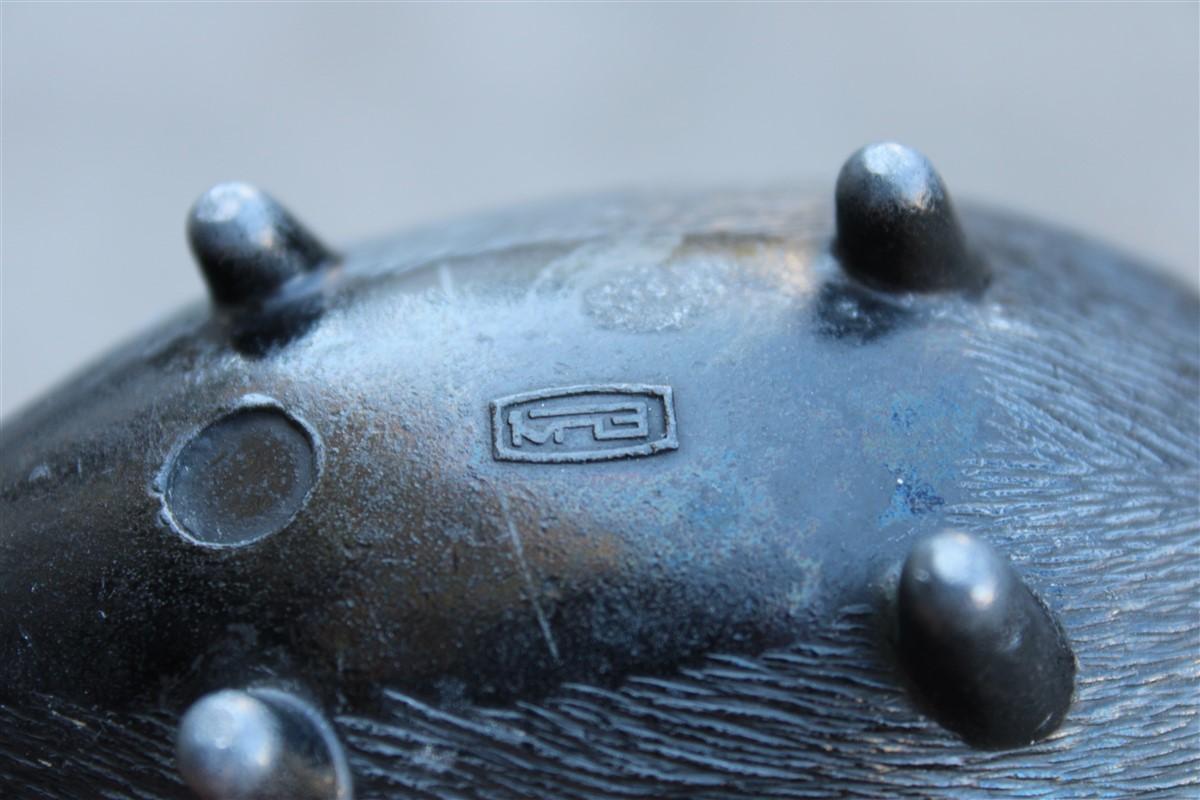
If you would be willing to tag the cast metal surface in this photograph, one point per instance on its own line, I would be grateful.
(613, 499)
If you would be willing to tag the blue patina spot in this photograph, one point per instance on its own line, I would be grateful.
(911, 497)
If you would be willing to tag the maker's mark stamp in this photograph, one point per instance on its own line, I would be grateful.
(584, 423)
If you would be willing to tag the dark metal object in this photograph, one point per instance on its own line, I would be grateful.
(248, 246)
(266, 272)
(987, 658)
(896, 226)
(718, 620)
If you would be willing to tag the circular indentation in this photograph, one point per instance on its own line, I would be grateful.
(242, 478)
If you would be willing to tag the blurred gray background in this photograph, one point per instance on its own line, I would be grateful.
(369, 118)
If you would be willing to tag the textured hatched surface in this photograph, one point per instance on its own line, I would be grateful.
(73, 752)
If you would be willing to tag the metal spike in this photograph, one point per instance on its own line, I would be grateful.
(247, 244)
(896, 226)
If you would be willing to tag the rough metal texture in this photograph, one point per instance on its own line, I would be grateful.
(708, 622)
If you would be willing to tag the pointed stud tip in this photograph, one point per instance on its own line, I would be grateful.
(257, 744)
(896, 225)
(247, 244)
(986, 657)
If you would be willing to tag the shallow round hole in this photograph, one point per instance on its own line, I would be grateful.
(242, 478)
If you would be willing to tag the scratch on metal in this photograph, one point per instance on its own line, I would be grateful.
(527, 576)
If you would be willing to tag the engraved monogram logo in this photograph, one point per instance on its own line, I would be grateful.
(584, 423)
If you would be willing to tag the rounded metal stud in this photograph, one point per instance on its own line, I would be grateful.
(247, 244)
(260, 744)
(896, 226)
(985, 656)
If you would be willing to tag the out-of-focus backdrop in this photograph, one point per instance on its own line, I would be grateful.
(365, 119)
